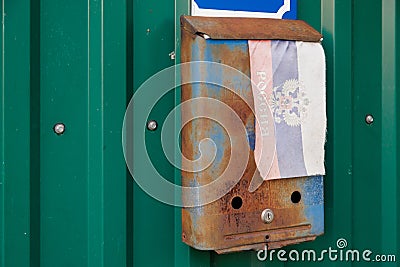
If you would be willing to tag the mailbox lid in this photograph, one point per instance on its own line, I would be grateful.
(250, 28)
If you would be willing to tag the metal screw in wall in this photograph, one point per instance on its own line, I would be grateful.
(59, 128)
(369, 119)
(172, 55)
(152, 125)
(267, 216)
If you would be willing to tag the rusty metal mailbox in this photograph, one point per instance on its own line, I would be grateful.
(279, 212)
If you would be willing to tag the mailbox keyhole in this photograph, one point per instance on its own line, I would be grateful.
(237, 203)
(295, 197)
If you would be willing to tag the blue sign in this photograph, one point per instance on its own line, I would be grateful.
(286, 9)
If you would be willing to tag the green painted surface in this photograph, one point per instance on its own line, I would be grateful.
(15, 135)
(153, 222)
(62, 197)
(68, 200)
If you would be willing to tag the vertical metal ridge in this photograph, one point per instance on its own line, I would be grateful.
(336, 21)
(153, 221)
(367, 138)
(2, 255)
(351, 110)
(114, 99)
(389, 170)
(35, 133)
(95, 142)
(2, 180)
(15, 130)
(129, 92)
(88, 134)
(397, 30)
(101, 148)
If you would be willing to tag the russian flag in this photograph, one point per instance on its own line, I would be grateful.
(289, 78)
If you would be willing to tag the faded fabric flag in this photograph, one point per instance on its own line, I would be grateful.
(289, 76)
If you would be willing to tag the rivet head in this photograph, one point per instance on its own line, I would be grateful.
(369, 119)
(59, 128)
(267, 216)
(152, 125)
(172, 55)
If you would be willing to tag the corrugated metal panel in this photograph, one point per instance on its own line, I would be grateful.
(65, 200)
(63, 197)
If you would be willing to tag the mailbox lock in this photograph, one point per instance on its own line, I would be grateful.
(267, 216)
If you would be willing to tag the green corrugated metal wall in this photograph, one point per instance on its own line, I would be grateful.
(68, 200)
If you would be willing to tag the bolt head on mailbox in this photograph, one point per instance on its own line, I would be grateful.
(278, 212)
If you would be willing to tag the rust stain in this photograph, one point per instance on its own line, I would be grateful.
(250, 28)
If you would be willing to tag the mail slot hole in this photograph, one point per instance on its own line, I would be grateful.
(295, 197)
(237, 202)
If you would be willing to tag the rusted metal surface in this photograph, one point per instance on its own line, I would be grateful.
(250, 28)
(219, 226)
